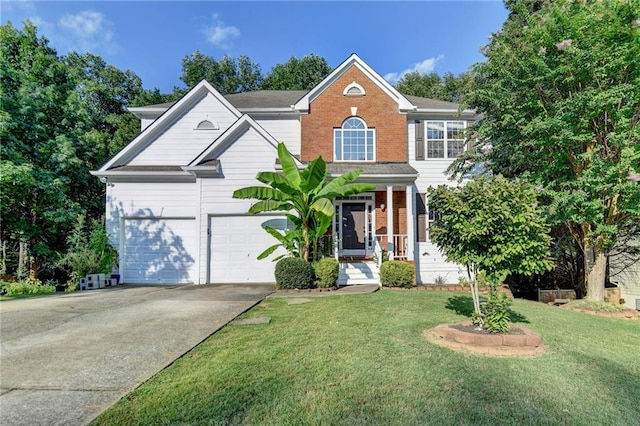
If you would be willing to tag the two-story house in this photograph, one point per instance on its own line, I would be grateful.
(169, 206)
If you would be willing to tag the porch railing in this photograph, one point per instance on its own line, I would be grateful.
(398, 248)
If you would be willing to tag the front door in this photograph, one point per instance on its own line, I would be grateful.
(353, 225)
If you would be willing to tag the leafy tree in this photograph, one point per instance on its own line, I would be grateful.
(433, 86)
(297, 74)
(306, 192)
(59, 119)
(228, 75)
(491, 225)
(560, 93)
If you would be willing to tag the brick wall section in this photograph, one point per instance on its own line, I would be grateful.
(376, 108)
(399, 213)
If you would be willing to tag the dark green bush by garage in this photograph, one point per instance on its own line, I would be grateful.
(294, 273)
(327, 271)
(395, 273)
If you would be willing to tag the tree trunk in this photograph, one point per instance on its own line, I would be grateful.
(580, 283)
(595, 269)
(306, 243)
(21, 271)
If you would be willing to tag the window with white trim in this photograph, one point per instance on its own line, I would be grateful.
(444, 139)
(354, 141)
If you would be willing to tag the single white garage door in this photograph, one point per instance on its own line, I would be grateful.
(158, 251)
(234, 245)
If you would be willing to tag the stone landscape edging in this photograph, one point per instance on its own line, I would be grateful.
(526, 344)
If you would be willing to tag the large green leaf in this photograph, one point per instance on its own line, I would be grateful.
(268, 251)
(277, 181)
(313, 175)
(324, 206)
(289, 166)
(261, 193)
(335, 187)
(269, 206)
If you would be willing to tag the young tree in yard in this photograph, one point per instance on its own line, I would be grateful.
(491, 225)
(560, 93)
(306, 192)
(297, 74)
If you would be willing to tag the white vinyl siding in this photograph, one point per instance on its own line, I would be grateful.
(284, 130)
(430, 262)
(183, 142)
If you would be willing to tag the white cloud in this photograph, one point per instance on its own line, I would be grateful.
(220, 34)
(424, 67)
(88, 31)
(14, 5)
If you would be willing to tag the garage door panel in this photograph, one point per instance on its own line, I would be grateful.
(159, 251)
(236, 242)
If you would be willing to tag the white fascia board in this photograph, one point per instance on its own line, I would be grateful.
(354, 60)
(146, 112)
(162, 123)
(139, 176)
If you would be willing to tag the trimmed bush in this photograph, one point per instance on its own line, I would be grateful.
(327, 270)
(395, 273)
(294, 273)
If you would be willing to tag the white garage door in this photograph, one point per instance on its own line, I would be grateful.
(158, 251)
(236, 242)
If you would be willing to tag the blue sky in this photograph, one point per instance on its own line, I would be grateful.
(152, 37)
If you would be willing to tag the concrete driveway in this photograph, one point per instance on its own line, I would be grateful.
(66, 358)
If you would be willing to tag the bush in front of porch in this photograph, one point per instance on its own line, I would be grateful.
(294, 273)
(396, 273)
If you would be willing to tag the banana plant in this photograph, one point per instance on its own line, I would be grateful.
(307, 194)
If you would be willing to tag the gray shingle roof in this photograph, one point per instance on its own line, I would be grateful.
(266, 98)
(286, 98)
(431, 103)
(372, 169)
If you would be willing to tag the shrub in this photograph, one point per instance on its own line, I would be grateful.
(327, 270)
(25, 287)
(496, 313)
(395, 273)
(89, 251)
(294, 273)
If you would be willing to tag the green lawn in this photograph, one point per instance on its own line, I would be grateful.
(362, 360)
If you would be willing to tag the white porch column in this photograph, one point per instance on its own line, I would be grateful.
(390, 247)
(410, 223)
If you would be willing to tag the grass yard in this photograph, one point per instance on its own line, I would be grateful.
(362, 360)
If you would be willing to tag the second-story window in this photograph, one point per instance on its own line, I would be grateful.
(444, 139)
(354, 141)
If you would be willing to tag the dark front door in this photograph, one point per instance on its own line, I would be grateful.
(353, 226)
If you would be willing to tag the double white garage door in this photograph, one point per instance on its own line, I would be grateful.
(164, 251)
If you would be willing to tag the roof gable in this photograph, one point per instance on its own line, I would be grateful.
(215, 150)
(355, 61)
(165, 121)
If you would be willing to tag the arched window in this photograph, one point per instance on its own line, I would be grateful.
(353, 89)
(354, 141)
(207, 125)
